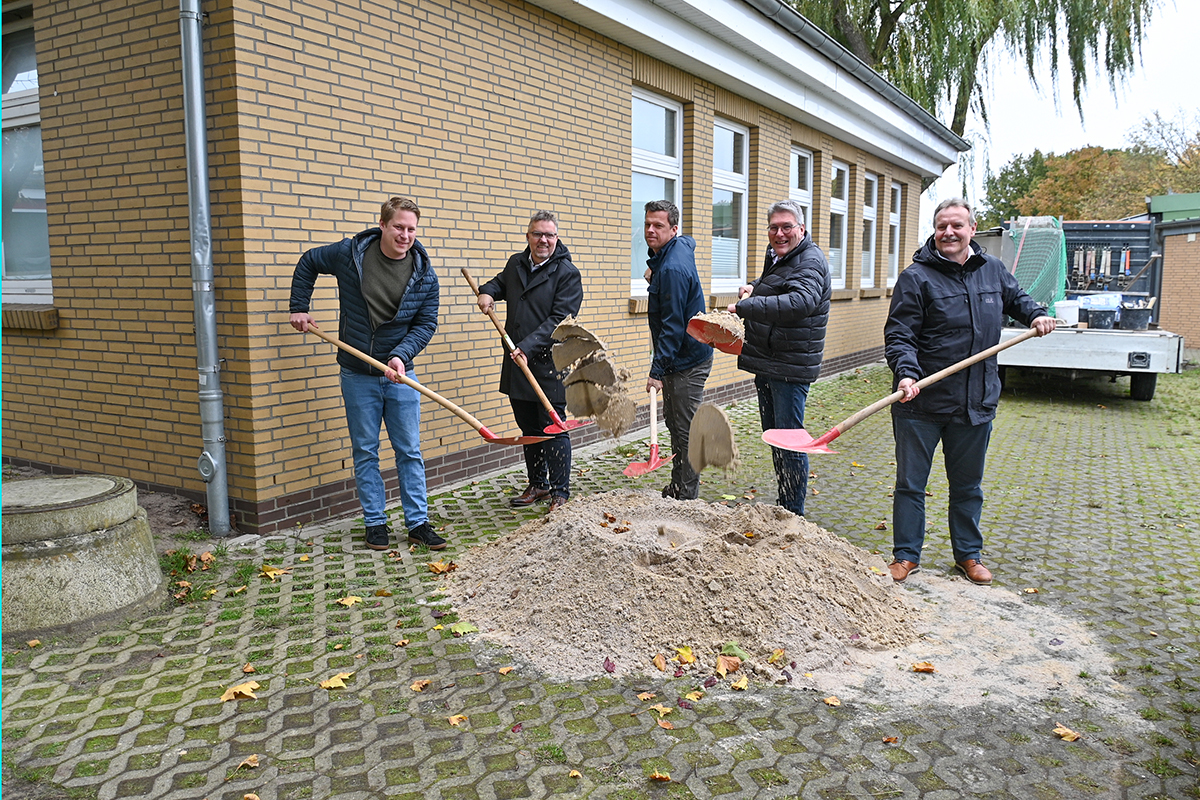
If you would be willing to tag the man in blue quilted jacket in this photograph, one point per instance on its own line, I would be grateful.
(388, 293)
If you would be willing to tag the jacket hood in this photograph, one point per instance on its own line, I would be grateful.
(654, 259)
(560, 252)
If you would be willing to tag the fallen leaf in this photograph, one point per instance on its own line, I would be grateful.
(273, 572)
(303, 559)
(249, 761)
(1065, 733)
(855, 464)
(665, 777)
(207, 559)
(456, 719)
(382, 593)
(661, 709)
(337, 681)
(517, 728)
(609, 665)
(832, 701)
(685, 655)
(775, 656)
(249, 797)
(727, 664)
(439, 567)
(729, 497)
(644, 696)
(34, 642)
(338, 646)
(419, 686)
(505, 670)
(460, 628)
(881, 526)
(574, 774)
(684, 704)
(732, 649)
(662, 723)
(891, 739)
(1030, 590)
(694, 696)
(248, 668)
(437, 613)
(710, 681)
(350, 600)
(660, 663)
(741, 683)
(924, 666)
(241, 692)
(438, 627)
(239, 589)
(679, 672)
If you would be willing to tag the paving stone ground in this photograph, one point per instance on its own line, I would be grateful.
(1092, 497)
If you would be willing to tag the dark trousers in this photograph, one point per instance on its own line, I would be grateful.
(964, 448)
(682, 394)
(548, 463)
(781, 405)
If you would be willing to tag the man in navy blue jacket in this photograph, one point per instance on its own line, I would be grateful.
(681, 364)
(947, 306)
(388, 294)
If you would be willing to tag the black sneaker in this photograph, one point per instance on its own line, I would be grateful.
(379, 537)
(423, 534)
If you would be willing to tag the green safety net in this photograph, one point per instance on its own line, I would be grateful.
(1039, 259)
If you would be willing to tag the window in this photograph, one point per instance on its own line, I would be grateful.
(800, 182)
(836, 250)
(870, 211)
(26, 243)
(894, 235)
(657, 170)
(730, 185)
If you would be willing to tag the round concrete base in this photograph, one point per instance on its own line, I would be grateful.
(76, 552)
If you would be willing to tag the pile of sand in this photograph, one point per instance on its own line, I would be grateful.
(624, 576)
(595, 386)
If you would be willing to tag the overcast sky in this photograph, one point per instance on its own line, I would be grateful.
(1024, 119)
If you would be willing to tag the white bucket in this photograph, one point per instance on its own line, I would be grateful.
(1067, 311)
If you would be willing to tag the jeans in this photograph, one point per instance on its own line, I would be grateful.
(781, 405)
(548, 463)
(682, 393)
(371, 401)
(964, 448)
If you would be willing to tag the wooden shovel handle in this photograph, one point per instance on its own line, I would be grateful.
(407, 381)
(879, 405)
(653, 416)
(508, 343)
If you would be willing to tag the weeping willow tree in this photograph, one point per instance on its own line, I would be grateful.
(937, 51)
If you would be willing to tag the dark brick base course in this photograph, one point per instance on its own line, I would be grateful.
(338, 498)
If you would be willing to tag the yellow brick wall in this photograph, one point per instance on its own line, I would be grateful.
(1178, 310)
(482, 113)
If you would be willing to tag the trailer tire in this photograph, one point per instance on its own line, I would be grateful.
(1142, 385)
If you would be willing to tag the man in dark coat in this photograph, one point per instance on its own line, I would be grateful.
(542, 288)
(388, 293)
(681, 364)
(947, 306)
(785, 312)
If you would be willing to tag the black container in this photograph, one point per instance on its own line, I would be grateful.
(1103, 319)
(1134, 319)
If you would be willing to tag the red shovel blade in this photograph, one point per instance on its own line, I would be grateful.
(638, 468)
(799, 440)
(714, 334)
(564, 425)
(494, 439)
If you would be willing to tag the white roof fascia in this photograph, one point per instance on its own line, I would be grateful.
(763, 62)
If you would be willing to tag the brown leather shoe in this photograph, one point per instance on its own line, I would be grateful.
(556, 502)
(975, 571)
(901, 569)
(528, 497)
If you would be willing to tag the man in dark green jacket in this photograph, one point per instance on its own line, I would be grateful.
(388, 293)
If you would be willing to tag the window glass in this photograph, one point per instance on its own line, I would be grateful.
(653, 128)
(728, 233)
(20, 61)
(645, 189)
(800, 181)
(894, 235)
(730, 189)
(870, 199)
(835, 251)
(837, 188)
(728, 147)
(657, 171)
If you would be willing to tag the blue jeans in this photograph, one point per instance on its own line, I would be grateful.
(964, 448)
(548, 463)
(781, 405)
(371, 401)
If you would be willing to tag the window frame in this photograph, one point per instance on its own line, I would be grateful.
(870, 218)
(656, 165)
(739, 183)
(896, 193)
(838, 207)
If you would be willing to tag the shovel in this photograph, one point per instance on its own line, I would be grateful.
(432, 395)
(559, 425)
(638, 468)
(717, 335)
(799, 440)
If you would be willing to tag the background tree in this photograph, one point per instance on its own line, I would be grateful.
(1002, 192)
(938, 51)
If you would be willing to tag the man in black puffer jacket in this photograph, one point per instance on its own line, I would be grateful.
(388, 294)
(542, 287)
(785, 312)
(947, 306)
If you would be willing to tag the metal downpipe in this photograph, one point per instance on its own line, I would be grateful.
(211, 463)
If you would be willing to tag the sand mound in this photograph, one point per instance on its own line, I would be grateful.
(626, 575)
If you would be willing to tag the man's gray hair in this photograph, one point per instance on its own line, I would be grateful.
(954, 202)
(543, 216)
(667, 206)
(787, 207)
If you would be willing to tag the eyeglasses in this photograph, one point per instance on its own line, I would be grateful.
(781, 228)
(540, 235)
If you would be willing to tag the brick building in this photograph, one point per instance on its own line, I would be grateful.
(481, 112)
(1178, 226)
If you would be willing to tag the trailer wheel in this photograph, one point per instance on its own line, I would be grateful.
(1142, 385)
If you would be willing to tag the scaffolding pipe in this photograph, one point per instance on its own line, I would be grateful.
(211, 463)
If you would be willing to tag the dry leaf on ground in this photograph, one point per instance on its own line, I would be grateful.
(661, 709)
(1065, 733)
(505, 670)
(242, 691)
(694, 696)
(660, 663)
(775, 656)
(643, 696)
(665, 777)
(685, 655)
(438, 567)
(924, 666)
(741, 683)
(274, 572)
(727, 664)
(419, 686)
(662, 723)
(402, 643)
(574, 774)
(457, 719)
(337, 681)
(832, 701)
(34, 642)
(350, 600)
(249, 668)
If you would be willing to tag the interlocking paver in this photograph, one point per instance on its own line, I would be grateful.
(1092, 498)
